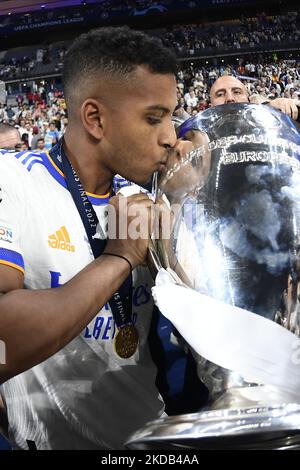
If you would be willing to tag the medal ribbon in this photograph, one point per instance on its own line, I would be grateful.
(121, 301)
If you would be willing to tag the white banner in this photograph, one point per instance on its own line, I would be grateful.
(259, 349)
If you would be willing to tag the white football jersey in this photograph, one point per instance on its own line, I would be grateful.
(85, 396)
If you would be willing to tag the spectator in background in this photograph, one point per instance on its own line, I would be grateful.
(10, 112)
(24, 146)
(29, 96)
(22, 127)
(51, 136)
(228, 89)
(35, 137)
(40, 145)
(202, 105)
(3, 113)
(190, 98)
(64, 123)
(19, 98)
(57, 120)
(180, 112)
(9, 137)
(44, 128)
(29, 133)
(41, 116)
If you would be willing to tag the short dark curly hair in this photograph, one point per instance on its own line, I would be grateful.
(114, 52)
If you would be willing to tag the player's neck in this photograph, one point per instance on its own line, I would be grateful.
(94, 178)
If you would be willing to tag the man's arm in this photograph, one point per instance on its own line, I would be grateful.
(10, 279)
(288, 106)
(35, 324)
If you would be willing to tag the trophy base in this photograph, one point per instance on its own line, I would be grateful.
(250, 396)
(259, 427)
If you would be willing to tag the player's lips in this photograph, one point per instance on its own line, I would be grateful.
(162, 165)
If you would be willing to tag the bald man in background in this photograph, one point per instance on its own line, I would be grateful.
(9, 137)
(228, 89)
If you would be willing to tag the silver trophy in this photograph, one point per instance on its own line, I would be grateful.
(235, 238)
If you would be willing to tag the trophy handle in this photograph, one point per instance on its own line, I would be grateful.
(153, 261)
(154, 190)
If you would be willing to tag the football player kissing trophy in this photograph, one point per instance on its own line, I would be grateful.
(228, 279)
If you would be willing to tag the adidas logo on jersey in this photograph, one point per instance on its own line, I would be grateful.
(60, 240)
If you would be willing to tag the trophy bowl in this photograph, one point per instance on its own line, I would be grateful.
(235, 231)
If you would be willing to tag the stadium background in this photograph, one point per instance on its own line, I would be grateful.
(258, 41)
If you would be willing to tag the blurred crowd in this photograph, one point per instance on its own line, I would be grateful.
(245, 33)
(263, 80)
(41, 116)
(189, 41)
(101, 9)
(46, 59)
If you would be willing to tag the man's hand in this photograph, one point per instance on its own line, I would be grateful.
(287, 106)
(130, 223)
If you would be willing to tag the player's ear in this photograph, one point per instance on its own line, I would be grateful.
(92, 114)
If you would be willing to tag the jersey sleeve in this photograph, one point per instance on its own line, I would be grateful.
(11, 214)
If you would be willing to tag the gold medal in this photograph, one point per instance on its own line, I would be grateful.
(126, 341)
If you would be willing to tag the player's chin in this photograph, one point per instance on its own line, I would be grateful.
(144, 178)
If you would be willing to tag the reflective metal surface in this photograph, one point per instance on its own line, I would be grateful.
(251, 428)
(236, 216)
(235, 237)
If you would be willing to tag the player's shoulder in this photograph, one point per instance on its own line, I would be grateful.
(19, 163)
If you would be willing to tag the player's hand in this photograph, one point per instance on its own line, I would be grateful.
(130, 223)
